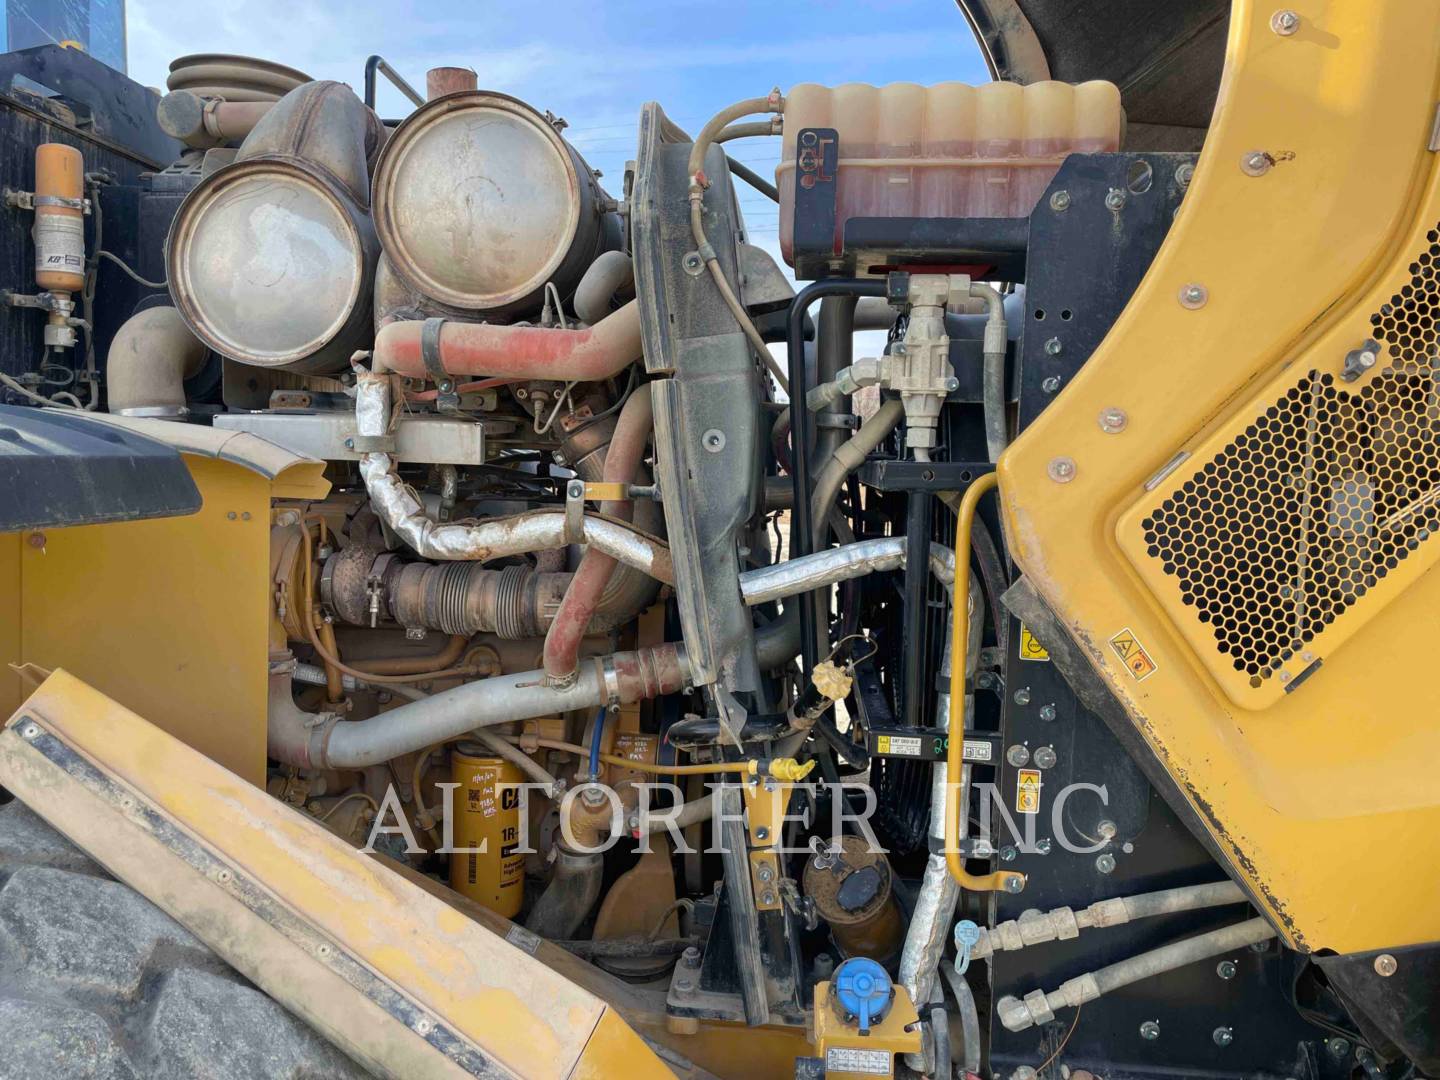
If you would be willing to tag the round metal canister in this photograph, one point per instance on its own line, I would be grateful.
(853, 892)
(485, 815)
(271, 263)
(479, 203)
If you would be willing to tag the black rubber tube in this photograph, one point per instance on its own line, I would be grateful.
(802, 528)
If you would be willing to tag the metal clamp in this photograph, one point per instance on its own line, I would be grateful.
(446, 399)
(575, 512)
(371, 444)
(28, 200)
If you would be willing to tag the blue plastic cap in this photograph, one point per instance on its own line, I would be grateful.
(863, 990)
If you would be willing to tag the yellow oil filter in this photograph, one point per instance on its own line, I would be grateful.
(487, 865)
(59, 231)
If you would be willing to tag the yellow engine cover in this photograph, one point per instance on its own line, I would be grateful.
(1247, 560)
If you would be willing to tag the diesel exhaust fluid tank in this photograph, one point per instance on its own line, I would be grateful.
(479, 203)
(272, 259)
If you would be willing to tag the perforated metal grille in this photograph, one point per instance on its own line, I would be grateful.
(1324, 494)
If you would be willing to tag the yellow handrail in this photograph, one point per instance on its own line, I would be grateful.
(1003, 880)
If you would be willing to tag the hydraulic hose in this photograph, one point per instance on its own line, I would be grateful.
(772, 103)
(582, 598)
(1063, 924)
(591, 354)
(521, 760)
(802, 539)
(969, 1020)
(1007, 880)
(1039, 1007)
(993, 372)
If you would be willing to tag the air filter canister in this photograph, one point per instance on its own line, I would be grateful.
(271, 259)
(479, 202)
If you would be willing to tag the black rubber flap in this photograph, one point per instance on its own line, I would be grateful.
(59, 467)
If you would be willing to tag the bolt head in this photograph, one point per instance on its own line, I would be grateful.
(1050, 384)
(1115, 199)
(713, 440)
(1184, 173)
(1338, 1048)
(1226, 969)
(1107, 829)
(1386, 965)
(1045, 757)
(1047, 713)
(1222, 1036)
(1284, 22)
(1053, 347)
(1193, 295)
(762, 833)
(37, 540)
(1014, 884)
(1042, 846)
(952, 384)
(1008, 853)
(1256, 163)
(1150, 1030)
(1113, 421)
(1062, 470)
(1060, 201)
(765, 874)
(1366, 359)
(767, 899)
(1105, 863)
(1018, 755)
(1022, 696)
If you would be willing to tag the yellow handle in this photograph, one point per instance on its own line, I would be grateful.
(1004, 880)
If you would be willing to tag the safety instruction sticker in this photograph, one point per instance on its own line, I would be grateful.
(1132, 654)
(900, 745)
(1030, 649)
(1027, 791)
(848, 1059)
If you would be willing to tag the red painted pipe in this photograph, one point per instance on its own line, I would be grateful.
(582, 598)
(518, 352)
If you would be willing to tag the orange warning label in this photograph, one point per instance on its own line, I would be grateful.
(1027, 791)
(1133, 655)
(1030, 649)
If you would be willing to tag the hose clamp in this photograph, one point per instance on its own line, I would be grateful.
(610, 680)
(446, 399)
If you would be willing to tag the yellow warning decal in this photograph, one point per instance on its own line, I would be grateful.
(1027, 791)
(1133, 655)
(1030, 649)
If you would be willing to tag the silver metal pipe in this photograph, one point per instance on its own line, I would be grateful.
(400, 508)
(929, 929)
(834, 565)
(320, 741)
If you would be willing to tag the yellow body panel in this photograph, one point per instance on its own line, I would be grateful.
(898, 1033)
(169, 616)
(299, 911)
(1290, 265)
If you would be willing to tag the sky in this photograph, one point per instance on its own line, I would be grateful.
(594, 63)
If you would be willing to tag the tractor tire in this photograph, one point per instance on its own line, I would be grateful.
(97, 982)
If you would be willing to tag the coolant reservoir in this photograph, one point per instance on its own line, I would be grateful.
(950, 150)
